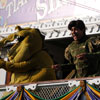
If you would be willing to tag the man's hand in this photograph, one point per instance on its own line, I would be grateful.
(82, 56)
(56, 67)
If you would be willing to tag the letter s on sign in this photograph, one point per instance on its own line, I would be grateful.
(41, 8)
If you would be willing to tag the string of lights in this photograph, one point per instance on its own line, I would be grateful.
(80, 5)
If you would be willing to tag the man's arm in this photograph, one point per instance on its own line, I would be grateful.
(68, 55)
(94, 48)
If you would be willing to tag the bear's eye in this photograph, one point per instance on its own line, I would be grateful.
(20, 38)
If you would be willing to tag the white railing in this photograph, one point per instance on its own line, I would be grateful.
(53, 29)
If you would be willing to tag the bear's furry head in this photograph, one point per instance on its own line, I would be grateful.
(31, 37)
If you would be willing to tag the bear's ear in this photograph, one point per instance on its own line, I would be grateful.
(18, 28)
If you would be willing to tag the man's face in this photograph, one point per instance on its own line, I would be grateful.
(76, 33)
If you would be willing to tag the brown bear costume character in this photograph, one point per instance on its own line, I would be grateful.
(28, 62)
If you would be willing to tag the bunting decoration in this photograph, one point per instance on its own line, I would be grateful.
(84, 90)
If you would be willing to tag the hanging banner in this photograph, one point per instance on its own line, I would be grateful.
(22, 11)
